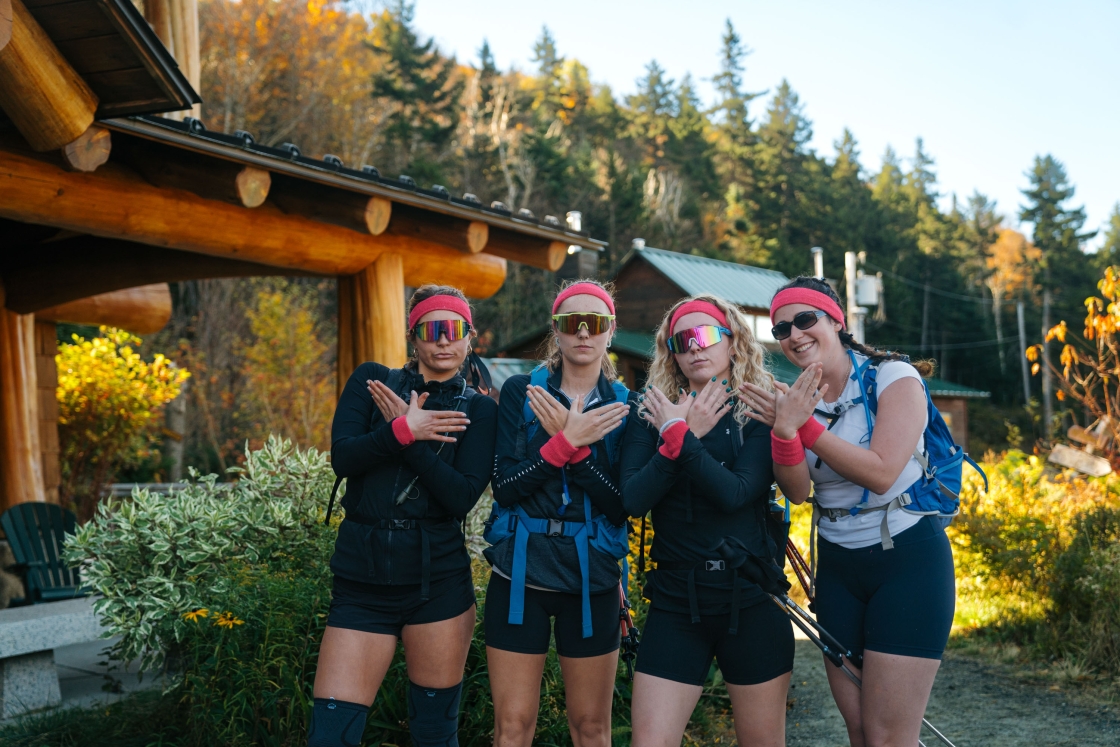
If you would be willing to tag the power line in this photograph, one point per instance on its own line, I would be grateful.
(949, 346)
(925, 286)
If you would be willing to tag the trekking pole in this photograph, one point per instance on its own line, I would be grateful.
(773, 583)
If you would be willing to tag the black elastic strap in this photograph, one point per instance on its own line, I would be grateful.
(693, 604)
(330, 504)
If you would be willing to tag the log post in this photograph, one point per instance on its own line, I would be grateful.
(47, 100)
(21, 458)
(46, 376)
(5, 23)
(176, 24)
(89, 151)
(371, 323)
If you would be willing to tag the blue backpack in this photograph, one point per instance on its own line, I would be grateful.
(595, 532)
(937, 491)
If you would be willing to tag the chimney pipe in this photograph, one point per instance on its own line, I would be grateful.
(818, 262)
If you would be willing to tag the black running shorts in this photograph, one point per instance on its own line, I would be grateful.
(675, 648)
(898, 601)
(386, 609)
(532, 636)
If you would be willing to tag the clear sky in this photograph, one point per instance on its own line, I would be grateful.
(988, 85)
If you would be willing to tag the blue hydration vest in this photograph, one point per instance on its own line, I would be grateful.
(937, 491)
(595, 532)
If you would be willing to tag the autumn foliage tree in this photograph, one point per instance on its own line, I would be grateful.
(110, 403)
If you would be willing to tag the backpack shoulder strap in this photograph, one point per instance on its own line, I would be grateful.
(538, 377)
(613, 440)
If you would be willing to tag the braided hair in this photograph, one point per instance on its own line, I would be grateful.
(924, 367)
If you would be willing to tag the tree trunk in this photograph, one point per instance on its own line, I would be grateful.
(997, 297)
(925, 319)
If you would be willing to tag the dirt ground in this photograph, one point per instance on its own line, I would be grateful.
(974, 703)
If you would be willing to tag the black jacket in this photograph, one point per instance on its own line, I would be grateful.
(522, 476)
(708, 492)
(377, 469)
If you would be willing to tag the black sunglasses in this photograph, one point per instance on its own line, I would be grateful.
(803, 320)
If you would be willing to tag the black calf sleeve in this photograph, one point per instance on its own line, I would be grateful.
(336, 723)
(433, 715)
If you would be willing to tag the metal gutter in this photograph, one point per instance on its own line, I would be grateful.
(252, 154)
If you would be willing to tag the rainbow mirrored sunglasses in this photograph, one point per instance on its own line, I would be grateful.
(570, 324)
(453, 329)
(704, 335)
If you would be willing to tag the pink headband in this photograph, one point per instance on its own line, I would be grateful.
(583, 289)
(704, 307)
(809, 297)
(439, 303)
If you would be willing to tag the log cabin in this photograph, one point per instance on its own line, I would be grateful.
(108, 192)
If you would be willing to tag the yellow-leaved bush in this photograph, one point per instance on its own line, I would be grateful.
(110, 404)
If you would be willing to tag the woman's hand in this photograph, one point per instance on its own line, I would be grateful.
(659, 410)
(794, 407)
(430, 425)
(387, 401)
(586, 428)
(709, 406)
(761, 401)
(550, 414)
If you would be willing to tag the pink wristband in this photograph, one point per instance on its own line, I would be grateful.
(673, 439)
(580, 454)
(810, 432)
(558, 450)
(787, 453)
(402, 432)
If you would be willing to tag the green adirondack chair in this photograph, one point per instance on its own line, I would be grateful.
(36, 532)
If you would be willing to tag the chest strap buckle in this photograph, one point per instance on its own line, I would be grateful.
(715, 565)
(555, 528)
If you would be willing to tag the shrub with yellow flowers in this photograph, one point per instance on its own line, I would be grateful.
(110, 404)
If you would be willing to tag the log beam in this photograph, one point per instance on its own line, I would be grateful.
(116, 203)
(212, 179)
(142, 311)
(47, 100)
(542, 253)
(89, 151)
(456, 233)
(338, 207)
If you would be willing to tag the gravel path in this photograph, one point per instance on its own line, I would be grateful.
(973, 703)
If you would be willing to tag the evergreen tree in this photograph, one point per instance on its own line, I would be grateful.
(732, 125)
(1109, 254)
(422, 90)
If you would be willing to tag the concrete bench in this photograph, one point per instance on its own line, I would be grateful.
(28, 637)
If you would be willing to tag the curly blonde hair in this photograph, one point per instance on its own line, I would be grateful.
(748, 357)
(550, 349)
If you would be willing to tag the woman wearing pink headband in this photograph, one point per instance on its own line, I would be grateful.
(416, 457)
(558, 527)
(884, 585)
(703, 470)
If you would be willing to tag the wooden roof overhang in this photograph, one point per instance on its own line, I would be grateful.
(167, 205)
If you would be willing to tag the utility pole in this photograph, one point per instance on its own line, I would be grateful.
(1047, 382)
(925, 319)
(1023, 353)
(855, 312)
(818, 262)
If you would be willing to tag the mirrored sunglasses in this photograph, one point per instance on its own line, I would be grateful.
(452, 329)
(803, 320)
(570, 324)
(704, 336)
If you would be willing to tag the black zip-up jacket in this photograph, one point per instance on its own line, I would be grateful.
(377, 468)
(522, 476)
(704, 494)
